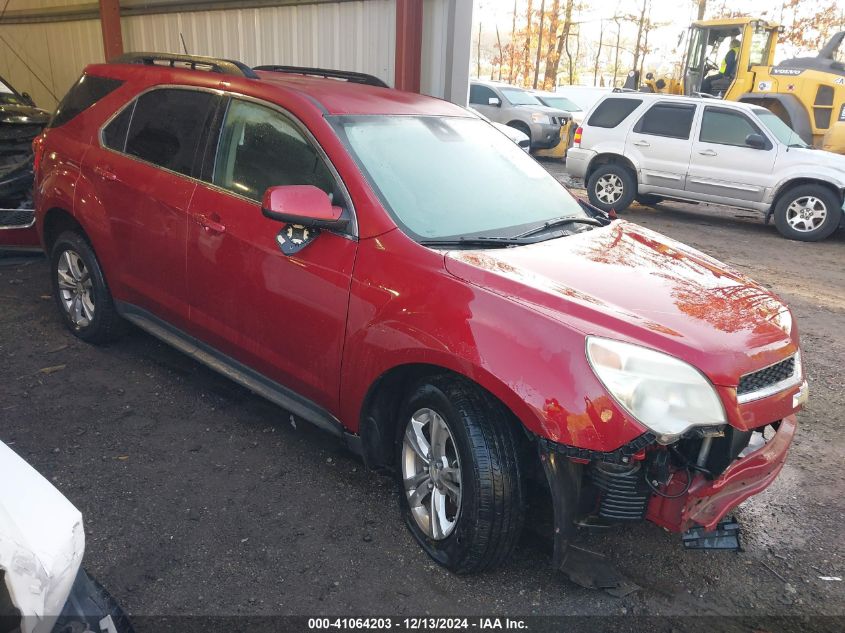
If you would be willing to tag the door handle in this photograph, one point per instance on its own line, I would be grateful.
(708, 152)
(642, 143)
(210, 225)
(104, 173)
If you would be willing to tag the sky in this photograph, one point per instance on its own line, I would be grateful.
(672, 16)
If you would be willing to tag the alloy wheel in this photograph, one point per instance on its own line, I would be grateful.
(609, 188)
(431, 471)
(806, 214)
(76, 288)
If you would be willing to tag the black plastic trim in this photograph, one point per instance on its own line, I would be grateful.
(233, 369)
(326, 73)
(621, 455)
(193, 62)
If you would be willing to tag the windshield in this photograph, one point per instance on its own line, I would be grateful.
(781, 130)
(520, 97)
(452, 177)
(561, 103)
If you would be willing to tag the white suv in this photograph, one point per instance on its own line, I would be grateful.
(646, 147)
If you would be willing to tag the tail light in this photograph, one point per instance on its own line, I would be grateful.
(576, 140)
(37, 153)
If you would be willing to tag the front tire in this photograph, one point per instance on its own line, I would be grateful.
(461, 489)
(81, 292)
(808, 213)
(611, 187)
(522, 127)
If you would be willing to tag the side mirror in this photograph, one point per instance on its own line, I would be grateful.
(755, 141)
(305, 205)
(28, 99)
(494, 101)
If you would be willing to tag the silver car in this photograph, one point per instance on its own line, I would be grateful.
(647, 147)
(519, 109)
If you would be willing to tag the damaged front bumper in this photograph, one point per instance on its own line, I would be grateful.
(646, 481)
(708, 501)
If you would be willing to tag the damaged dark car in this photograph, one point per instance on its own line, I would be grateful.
(20, 123)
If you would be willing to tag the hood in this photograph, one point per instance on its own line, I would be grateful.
(819, 158)
(546, 110)
(41, 542)
(23, 114)
(626, 282)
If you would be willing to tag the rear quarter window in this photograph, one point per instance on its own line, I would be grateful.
(167, 127)
(82, 95)
(611, 112)
(670, 120)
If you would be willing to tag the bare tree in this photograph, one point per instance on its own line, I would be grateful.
(640, 23)
(478, 54)
(617, 18)
(598, 53)
(552, 54)
(551, 72)
(572, 59)
(702, 7)
(501, 57)
(539, 42)
(511, 75)
(526, 61)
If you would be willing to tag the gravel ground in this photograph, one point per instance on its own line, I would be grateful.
(201, 498)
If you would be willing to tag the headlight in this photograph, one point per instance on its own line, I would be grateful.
(537, 117)
(662, 392)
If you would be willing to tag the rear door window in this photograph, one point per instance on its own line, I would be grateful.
(167, 127)
(611, 112)
(664, 119)
(82, 95)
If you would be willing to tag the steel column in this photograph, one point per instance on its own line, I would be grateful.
(110, 25)
(409, 27)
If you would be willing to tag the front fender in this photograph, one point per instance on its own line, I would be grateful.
(818, 173)
(424, 315)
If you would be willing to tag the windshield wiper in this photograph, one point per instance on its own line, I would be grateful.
(483, 241)
(557, 222)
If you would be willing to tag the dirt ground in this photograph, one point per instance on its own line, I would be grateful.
(201, 498)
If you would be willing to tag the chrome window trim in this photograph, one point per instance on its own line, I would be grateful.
(794, 380)
(351, 232)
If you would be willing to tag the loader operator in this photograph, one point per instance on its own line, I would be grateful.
(724, 78)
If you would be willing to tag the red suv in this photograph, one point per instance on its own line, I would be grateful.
(394, 270)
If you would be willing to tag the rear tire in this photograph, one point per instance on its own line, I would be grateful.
(81, 292)
(808, 213)
(477, 511)
(611, 187)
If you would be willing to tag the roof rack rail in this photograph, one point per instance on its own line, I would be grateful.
(348, 75)
(189, 62)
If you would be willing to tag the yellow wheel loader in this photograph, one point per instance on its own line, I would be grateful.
(808, 93)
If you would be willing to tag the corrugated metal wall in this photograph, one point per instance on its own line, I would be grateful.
(45, 59)
(347, 36)
(344, 35)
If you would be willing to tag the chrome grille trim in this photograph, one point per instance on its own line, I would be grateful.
(776, 387)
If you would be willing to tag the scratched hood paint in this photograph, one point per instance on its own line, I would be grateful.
(656, 291)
